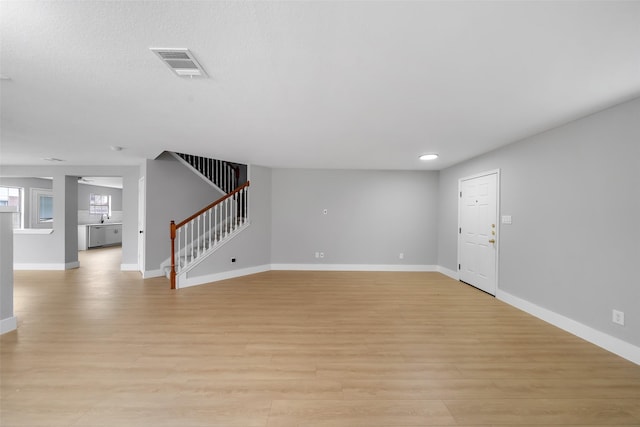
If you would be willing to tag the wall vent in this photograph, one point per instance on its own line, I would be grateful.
(180, 61)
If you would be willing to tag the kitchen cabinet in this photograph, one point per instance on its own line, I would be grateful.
(113, 234)
(97, 235)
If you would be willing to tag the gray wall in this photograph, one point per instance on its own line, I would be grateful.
(27, 184)
(573, 195)
(173, 193)
(71, 219)
(57, 247)
(252, 247)
(372, 217)
(84, 191)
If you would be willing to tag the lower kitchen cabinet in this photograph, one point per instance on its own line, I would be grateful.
(97, 235)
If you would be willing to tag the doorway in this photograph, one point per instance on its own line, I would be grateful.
(478, 230)
(100, 213)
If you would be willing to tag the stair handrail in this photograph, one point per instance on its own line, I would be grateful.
(173, 227)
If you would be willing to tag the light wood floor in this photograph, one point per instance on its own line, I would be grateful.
(100, 347)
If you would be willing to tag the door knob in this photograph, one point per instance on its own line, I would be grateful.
(492, 240)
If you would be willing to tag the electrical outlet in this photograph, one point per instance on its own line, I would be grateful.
(233, 260)
(618, 317)
(401, 256)
(325, 211)
(321, 254)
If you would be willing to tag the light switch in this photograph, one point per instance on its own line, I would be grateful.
(506, 219)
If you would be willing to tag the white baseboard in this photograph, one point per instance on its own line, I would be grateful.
(612, 344)
(353, 267)
(9, 324)
(148, 274)
(450, 273)
(128, 267)
(216, 277)
(46, 266)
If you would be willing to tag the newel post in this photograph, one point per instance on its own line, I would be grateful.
(172, 275)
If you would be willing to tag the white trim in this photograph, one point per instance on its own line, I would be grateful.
(353, 267)
(33, 231)
(129, 267)
(35, 194)
(148, 274)
(601, 339)
(9, 324)
(450, 273)
(480, 174)
(45, 266)
(215, 277)
(141, 224)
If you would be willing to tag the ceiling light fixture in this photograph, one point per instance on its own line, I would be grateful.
(181, 61)
(428, 157)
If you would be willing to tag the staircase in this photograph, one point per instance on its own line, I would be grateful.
(200, 235)
(222, 174)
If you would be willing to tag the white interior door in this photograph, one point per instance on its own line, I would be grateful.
(478, 231)
(141, 224)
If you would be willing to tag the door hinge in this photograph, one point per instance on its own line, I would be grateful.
(461, 194)
(459, 267)
(460, 230)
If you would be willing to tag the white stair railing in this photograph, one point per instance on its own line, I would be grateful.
(201, 233)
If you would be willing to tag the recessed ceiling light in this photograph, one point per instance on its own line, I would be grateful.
(116, 148)
(53, 159)
(428, 157)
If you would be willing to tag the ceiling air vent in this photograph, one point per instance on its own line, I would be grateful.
(181, 61)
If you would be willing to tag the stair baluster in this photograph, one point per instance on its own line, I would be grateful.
(225, 217)
(225, 175)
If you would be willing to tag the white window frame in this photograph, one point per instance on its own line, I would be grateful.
(93, 206)
(20, 214)
(36, 221)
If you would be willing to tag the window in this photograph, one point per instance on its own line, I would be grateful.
(13, 196)
(41, 208)
(100, 204)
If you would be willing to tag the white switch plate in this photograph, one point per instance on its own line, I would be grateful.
(618, 317)
(506, 219)
(401, 256)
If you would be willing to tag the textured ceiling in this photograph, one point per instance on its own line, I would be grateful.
(306, 84)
